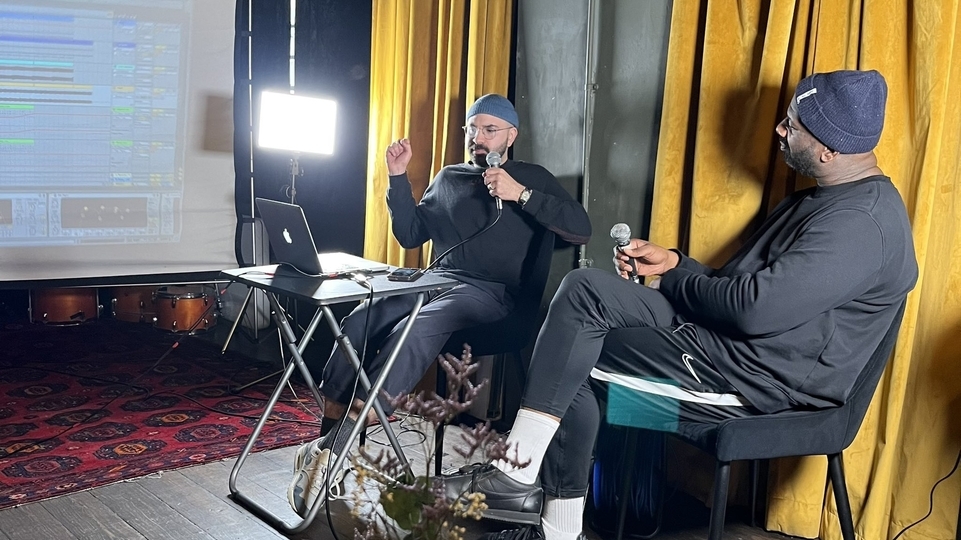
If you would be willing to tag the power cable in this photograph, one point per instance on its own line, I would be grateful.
(931, 498)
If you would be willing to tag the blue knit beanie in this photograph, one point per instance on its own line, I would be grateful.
(495, 105)
(843, 109)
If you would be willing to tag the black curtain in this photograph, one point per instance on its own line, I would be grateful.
(332, 58)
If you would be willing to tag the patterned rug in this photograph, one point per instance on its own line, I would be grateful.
(84, 406)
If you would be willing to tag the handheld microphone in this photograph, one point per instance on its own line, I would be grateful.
(621, 234)
(494, 162)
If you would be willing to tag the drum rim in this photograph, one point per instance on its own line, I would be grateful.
(181, 296)
(197, 291)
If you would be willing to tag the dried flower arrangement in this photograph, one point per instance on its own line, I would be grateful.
(415, 507)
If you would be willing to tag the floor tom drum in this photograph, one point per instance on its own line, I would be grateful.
(64, 306)
(133, 304)
(184, 309)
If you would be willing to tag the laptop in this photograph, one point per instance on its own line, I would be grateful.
(293, 244)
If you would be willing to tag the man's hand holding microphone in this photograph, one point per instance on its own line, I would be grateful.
(500, 184)
(635, 258)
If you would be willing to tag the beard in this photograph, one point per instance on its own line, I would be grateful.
(802, 162)
(480, 159)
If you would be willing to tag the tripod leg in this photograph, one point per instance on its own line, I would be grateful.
(240, 314)
(258, 381)
(272, 375)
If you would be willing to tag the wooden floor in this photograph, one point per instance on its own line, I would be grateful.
(193, 503)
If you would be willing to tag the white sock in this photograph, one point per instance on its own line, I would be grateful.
(562, 519)
(530, 436)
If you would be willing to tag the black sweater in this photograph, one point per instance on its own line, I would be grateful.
(795, 314)
(457, 205)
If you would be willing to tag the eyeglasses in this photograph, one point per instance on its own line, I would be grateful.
(488, 131)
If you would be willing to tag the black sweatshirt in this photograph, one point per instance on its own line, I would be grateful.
(795, 314)
(457, 204)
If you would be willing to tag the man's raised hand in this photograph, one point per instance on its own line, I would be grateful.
(398, 157)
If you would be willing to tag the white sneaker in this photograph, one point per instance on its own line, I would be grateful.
(302, 454)
(310, 477)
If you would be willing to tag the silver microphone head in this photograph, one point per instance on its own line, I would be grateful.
(493, 159)
(621, 234)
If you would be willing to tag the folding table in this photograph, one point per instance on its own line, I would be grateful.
(323, 292)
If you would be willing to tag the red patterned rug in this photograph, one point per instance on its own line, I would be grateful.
(84, 406)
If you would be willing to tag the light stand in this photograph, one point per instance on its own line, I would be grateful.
(295, 171)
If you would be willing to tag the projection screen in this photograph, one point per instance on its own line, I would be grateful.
(115, 138)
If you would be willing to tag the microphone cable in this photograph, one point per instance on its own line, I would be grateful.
(462, 242)
(500, 211)
(437, 259)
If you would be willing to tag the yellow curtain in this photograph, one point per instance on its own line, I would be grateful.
(732, 67)
(429, 60)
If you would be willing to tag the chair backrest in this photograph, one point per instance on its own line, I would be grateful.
(514, 331)
(800, 433)
(866, 385)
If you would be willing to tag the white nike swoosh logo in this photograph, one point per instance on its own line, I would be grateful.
(686, 358)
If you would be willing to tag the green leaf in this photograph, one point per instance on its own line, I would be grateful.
(403, 505)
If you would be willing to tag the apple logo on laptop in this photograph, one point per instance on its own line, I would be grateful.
(287, 236)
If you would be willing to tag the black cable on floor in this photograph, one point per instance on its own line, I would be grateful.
(931, 498)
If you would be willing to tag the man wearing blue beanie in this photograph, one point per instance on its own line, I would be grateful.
(519, 207)
(844, 113)
(787, 323)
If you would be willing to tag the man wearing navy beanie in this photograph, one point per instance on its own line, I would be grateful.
(789, 322)
(519, 207)
(844, 113)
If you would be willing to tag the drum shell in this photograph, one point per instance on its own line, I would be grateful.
(133, 304)
(183, 309)
(64, 306)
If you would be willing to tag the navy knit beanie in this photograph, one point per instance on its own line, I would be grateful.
(843, 109)
(495, 105)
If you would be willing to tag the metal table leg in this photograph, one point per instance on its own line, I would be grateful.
(372, 393)
(346, 346)
(296, 350)
(297, 362)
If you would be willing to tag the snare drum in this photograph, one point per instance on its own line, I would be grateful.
(64, 306)
(183, 309)
(133, 304)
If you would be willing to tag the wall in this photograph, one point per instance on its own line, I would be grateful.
(629, 50)
(550, 96)
(629, 53)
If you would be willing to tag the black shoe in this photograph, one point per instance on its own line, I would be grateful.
(527, 532)
(506, 498)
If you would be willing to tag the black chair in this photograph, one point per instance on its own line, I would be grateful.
(791, 433)
(507, 336)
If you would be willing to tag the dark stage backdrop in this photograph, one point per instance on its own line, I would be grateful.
(332, 61)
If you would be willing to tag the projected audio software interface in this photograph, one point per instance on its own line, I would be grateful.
(91, 129)
(80, 219)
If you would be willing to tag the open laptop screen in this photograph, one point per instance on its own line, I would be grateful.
(292, 243)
